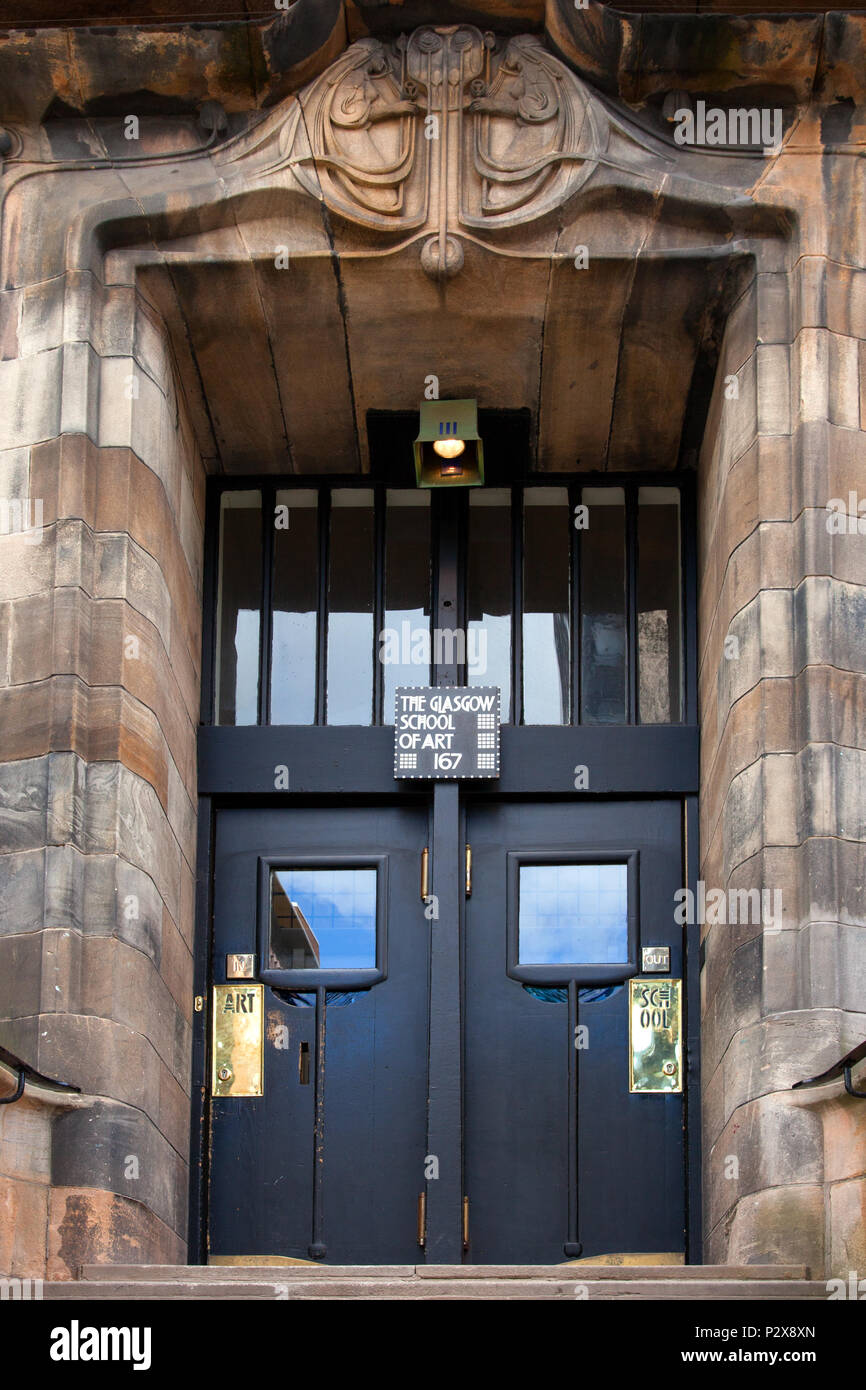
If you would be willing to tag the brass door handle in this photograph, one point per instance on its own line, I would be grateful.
(422, 1219)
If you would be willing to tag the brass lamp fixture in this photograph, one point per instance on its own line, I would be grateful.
(448, 450)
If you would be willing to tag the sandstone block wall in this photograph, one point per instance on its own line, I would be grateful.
(100, 615)
(783, 711)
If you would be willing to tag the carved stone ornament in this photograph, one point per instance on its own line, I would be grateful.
(448, 128)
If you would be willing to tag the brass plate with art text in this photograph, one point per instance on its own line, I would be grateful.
(238, 1040)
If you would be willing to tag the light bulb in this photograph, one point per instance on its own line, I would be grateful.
(449, 448)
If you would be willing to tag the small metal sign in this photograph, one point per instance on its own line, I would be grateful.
(655, 1035)
(240, 967)
(441, 732)
(655, 960)
(238, 1040)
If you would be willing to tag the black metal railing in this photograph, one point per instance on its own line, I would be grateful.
(27, 1073)
(844, 1067)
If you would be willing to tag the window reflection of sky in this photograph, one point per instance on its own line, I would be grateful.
(573, 913)
(293, 694)
(350, 668)
(413, 671)
(340, 906)
(247, 667)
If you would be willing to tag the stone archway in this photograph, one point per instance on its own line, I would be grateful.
(125, 323)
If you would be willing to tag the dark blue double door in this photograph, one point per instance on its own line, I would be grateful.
(335, 1161)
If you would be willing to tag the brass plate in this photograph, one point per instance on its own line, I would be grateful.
(655, 1062)
(238, 1040)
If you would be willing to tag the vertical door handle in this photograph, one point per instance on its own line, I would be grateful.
(469, 871)
(425, 874)
(422, 1219)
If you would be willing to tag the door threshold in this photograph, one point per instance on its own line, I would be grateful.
(629, 1260)
(258, 1261)
(663, 1257)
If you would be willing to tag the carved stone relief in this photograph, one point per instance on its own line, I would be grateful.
(449, 128)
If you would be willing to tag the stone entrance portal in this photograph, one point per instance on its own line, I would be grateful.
(502, 217)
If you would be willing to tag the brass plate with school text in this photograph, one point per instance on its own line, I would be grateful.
(655, 1061)
(238, 1040)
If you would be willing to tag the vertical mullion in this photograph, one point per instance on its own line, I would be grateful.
(574, 576)
(631, 561)
(267, 555)
(692, 1031)
(688, 606)
(317, 1248)
(444, 1052)
(435, 528)
(432, 533)
(267, 495)
(200, 1125)
(447, 567)
(324, 511)
(572, 1246)
(461, 563)
(517, 605)
(379, 540)
(210, 587)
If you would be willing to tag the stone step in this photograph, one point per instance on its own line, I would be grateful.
(441, 1288)
(262, 1273)
(579, 1270)
(112, 1290)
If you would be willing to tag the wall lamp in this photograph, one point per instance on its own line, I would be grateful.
(448, 450)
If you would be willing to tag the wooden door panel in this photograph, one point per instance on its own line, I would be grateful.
(628, 1166)
(373, 1076)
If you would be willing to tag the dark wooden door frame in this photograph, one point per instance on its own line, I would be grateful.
(236, 767)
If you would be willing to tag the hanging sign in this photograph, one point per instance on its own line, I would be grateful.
(441, 732)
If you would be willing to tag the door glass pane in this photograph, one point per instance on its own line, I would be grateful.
(350, 607)
(296, 598)
(546, 606)
(573, 914)
(404, 644)
(239, 606)
(489, 593)
(658, 605)
(603, 608)
(323, 919)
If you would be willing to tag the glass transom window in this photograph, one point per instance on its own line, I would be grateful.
(569, 597)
